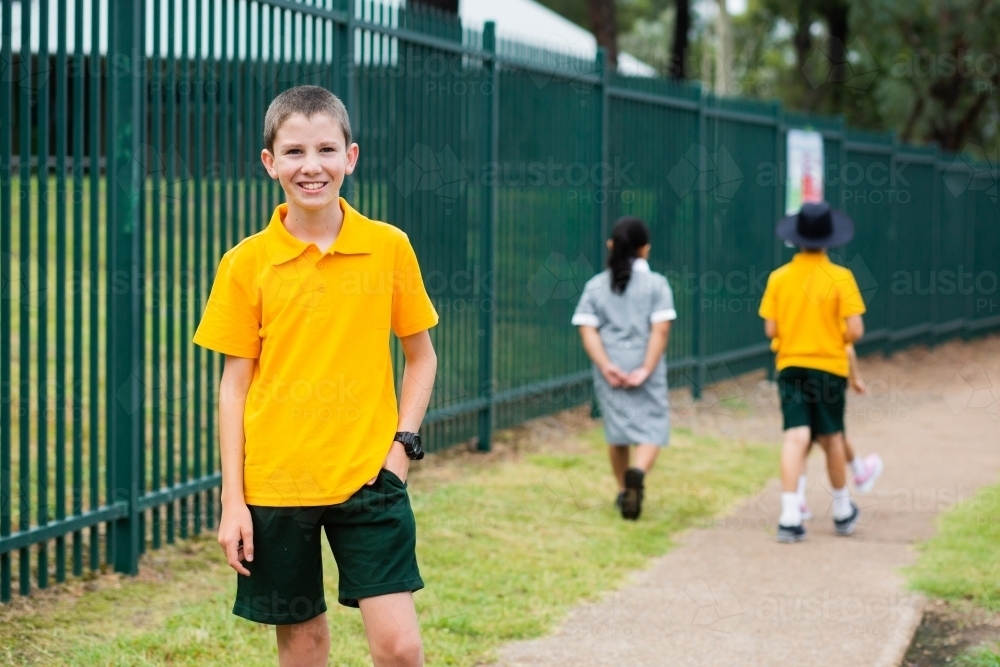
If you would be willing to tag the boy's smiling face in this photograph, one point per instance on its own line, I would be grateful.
(310, 160)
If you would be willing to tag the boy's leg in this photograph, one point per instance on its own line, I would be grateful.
(304, 644)
(793, 454)
(836, 465)
(392, 629)
(619, 463)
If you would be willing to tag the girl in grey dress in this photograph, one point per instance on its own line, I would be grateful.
(624, 317)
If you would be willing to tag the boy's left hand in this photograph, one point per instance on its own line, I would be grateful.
(396, 462)
(858, 385)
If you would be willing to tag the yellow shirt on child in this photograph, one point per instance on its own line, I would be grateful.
(809, 299)
(321, 410)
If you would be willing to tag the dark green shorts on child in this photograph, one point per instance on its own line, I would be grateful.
(373, 537)
(812, 398)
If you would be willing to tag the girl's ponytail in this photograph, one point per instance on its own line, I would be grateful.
(629, 234)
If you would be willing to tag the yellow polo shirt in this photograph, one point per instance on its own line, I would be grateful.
(810, 298)
(321, 410)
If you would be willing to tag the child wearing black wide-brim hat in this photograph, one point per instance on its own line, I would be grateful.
(813, 308)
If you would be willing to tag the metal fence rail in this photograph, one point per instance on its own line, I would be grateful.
(129, 162)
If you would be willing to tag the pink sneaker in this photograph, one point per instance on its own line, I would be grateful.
(873, 468)
(806, 514)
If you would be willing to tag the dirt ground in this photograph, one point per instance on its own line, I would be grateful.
(948, 630)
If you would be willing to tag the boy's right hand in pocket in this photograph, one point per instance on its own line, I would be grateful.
(236, 536)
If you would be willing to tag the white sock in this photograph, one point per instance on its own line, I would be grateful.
(858, 466)
(791, 514)
(841, 503)
(802, 488)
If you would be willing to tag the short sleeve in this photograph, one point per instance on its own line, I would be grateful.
(587, 314)
(412, 310)
(851, 302)
(231, 321)
(768, 310)
(663, 304)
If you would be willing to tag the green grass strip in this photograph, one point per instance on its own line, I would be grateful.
(506, 550)
(962, 561)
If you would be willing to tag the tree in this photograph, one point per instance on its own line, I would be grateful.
(680, 44)
(604, 25)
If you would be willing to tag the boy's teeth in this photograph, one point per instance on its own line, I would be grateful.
(312, 186)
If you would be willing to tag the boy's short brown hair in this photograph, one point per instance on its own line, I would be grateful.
(308, 101)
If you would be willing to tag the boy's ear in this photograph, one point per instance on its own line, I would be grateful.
(352, 158)
(267, 157)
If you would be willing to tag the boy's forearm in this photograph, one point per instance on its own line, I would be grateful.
(415, 396)
(232, 439)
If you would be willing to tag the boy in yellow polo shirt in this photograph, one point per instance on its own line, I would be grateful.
(311, 440)
(813, 307)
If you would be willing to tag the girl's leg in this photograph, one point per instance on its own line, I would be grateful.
(848, 451)
(645, 456)
(619, 463)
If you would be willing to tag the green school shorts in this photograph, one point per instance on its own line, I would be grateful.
(373, 537)
(812, 398)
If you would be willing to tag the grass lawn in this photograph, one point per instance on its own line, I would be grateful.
(961, 563)
(507, 545)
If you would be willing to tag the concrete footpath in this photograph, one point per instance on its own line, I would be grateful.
(730, 595)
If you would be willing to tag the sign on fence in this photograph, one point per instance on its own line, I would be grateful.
(805, 169)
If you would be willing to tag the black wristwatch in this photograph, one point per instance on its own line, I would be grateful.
(411, 444)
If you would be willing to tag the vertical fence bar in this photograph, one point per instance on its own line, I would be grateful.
(159, 284)
(60, 412)
(199, 191)
(185, 152)
(171, 273)
(210, 251)
(24, 302)
(42, 264)
(93, 268)
(487, 235)
(78, 281)
(6, 150)
(125, 312)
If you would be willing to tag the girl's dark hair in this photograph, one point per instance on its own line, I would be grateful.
(629, 234)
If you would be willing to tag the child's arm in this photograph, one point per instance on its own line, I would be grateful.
(418, 383)
(658, 335)
(853, 374)
(235, 524)
(771, 328)
(595, 350)
(855, 329)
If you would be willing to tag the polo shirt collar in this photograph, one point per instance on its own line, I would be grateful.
(811, 257)
(640, 265)
(355, 236)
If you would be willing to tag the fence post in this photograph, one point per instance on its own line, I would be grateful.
(892, 251)
(124, 321)
(487, 321)
(701, 208)
(603, 226)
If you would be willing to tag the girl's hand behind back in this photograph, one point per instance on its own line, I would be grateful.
(615, 376)
(636, 377)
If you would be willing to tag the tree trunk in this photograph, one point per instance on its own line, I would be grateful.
(723, 50)
(835, 12)
(604, 25)
(679, 48)
(449, 6)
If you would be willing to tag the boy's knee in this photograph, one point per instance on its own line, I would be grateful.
(308, 638)
(403, 649)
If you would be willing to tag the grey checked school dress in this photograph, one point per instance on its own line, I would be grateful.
(637, 414)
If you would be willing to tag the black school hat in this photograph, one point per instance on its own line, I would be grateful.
(816, 225)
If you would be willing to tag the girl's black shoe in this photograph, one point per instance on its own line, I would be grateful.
(631, 505)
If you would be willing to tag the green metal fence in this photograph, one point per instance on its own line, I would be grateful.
(129, 162)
